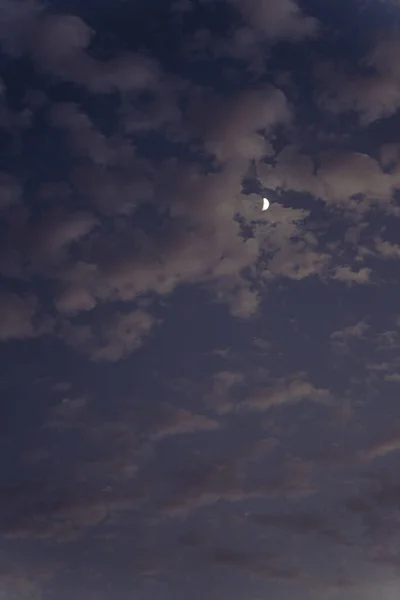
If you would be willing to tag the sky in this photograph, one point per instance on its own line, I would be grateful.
(199, 399)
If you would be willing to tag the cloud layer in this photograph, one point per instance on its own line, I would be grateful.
(199, 398)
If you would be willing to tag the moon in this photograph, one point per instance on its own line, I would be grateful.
(265, 204)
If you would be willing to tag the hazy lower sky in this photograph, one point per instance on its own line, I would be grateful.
(199, 400)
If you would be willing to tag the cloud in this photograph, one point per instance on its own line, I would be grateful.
(340, 179)
(199, 244)
(236, 128)
(242, 301)
(386, 46)
(57, 513)
(374, 350)
(389, 156)
(114, 339)
(58, 44)
(277, 21)
(204, 487)
(52, 235)
(387, 445)
(350, 277)
(40, 243)
(253, 392)
(123, 193)
(17, 21)
(350, 333)
(376, 508)
(288, 248)
(95, 250)
(21, 318)
(171, 422)
(98, 484)
(386, 249)
(114, 191)
(374, 95)
(58, 37)
(347, 174)
(285, 391)
(222, 390)
(83, 139)
(227, 480)
(67, 411)
(201, 215)
(74, 300)
(260, 26)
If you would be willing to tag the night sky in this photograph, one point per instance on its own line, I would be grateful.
(199, 400)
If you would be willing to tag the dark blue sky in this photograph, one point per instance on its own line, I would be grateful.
(199, 398)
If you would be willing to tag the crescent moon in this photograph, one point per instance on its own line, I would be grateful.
(265, 204)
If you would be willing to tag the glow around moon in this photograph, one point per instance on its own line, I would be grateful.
(265, 204)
